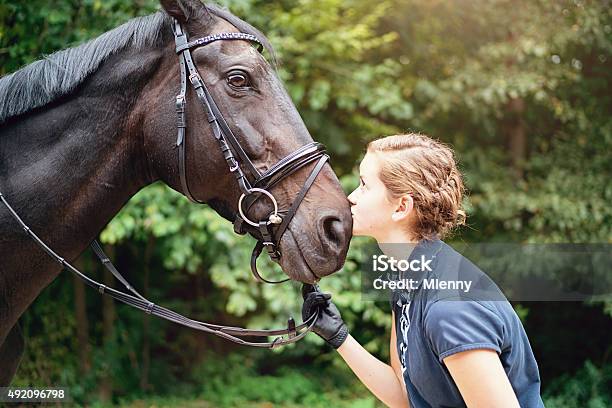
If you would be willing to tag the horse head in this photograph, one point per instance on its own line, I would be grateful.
(250, 100)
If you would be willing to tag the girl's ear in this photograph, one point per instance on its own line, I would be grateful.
(404, 208)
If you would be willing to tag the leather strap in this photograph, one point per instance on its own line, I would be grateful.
(298, 200)
(105, 260)
(220, 128)
(283, 226)
(254, 255)
(139, 302)
(215, 37)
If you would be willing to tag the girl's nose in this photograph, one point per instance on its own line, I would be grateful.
(351, 198)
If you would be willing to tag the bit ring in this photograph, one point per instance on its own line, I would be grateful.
(273, 216)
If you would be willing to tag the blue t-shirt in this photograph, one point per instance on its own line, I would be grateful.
(433, 323)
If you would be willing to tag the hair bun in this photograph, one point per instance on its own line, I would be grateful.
(461, 217)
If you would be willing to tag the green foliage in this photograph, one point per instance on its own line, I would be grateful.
(591, 387)
(288, 386)
(31, 29)
(242, 384)
(49, 330)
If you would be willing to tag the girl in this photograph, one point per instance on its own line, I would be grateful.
(448, 349)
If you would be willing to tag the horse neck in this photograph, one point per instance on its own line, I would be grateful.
(68, 168)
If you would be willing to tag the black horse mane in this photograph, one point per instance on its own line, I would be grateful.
(60, 73)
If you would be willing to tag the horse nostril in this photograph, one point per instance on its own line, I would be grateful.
(333, 230)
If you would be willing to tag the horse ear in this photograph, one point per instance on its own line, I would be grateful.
(183, 10)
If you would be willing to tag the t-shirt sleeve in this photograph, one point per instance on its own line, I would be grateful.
(453, 326)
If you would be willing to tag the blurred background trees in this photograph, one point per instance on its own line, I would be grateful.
(521, 89)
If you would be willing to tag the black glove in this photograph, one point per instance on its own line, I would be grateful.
(329, 326)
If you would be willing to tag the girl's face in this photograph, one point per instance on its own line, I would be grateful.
(373, 212)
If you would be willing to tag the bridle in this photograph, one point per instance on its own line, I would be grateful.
(235, 157)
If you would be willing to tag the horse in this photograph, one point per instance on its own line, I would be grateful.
(86, 128)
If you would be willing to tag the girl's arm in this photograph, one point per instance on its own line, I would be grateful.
(481, 379)
(383, 380)
(467, 336)
(380, 378)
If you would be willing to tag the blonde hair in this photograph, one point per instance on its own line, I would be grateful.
(417, 165)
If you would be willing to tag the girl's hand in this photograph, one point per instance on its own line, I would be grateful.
(329, 326)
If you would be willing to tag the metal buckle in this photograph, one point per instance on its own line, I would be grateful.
(275, 219)
(180, 103)
(234, 166)
(193, 78)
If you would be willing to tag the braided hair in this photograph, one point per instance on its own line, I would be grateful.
(417, 165)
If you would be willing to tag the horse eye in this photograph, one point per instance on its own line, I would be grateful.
(238, 79)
